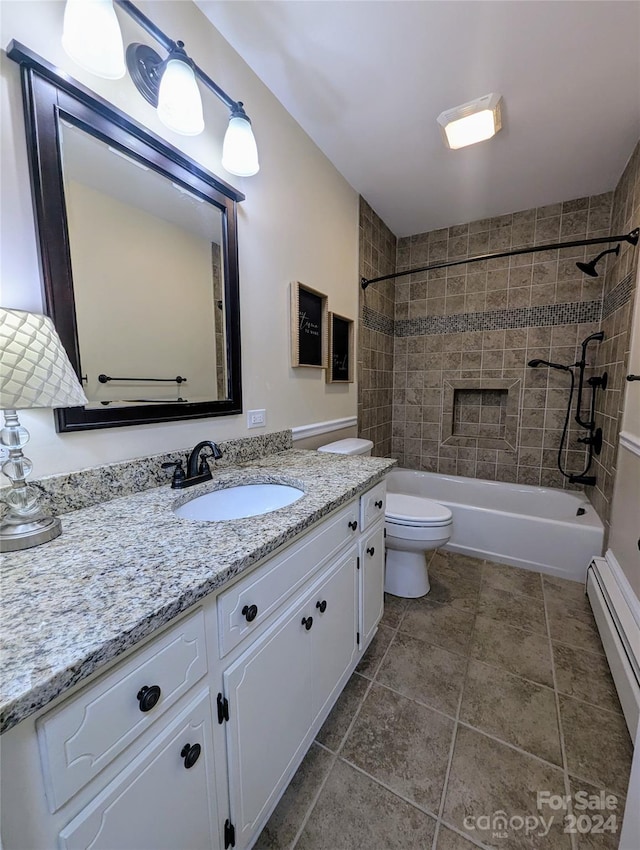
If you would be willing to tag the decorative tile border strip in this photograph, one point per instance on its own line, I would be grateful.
(618, 296)
(493, 320)
(376, 321)
(74, 490)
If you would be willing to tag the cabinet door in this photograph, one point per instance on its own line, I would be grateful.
(334, 608)
(270, 712)
(157, 803)
(371, 582)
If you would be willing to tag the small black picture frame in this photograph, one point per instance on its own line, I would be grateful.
(340, 369)
(309, 327)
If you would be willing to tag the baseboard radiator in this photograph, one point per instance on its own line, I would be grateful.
(617, 612)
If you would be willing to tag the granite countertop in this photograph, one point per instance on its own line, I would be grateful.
(123, 568)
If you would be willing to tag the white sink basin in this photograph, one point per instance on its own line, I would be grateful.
(239, 502)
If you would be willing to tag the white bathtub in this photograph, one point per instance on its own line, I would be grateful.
(537, 528)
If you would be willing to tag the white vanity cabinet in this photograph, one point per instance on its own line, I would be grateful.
(163, 800)
(280, 689)
(245, 680)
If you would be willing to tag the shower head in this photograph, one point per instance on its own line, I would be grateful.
(536, 363)
(590, 268)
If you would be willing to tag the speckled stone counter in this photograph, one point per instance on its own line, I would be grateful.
(124, 568)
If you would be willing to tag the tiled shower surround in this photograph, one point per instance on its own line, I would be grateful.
(375, 342)
(617, 314)
(478, 325)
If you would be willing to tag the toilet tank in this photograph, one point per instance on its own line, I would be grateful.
(351, 446)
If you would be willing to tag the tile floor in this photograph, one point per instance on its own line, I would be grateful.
(468, 702)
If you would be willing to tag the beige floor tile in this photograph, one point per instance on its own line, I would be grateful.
(488, 777)
(290, 812)
(424, 672)
(524, 653)
(521, 612)
(592, 833)
(575, 627)
(394, 608)
(355, 813)
(513, 579)
(403, 744)
(597, 744)
(450, 840)
(370, 661)
(515, 710)
(335, 727)
(439, 624)
(453, 582)
(571, 592)
(460, 565)
(586, 676)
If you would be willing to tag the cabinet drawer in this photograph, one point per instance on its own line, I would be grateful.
(80, 737)
(250, 602)
(372, 504)
(157, 803)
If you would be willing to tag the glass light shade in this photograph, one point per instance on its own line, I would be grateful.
(469, 130)
(239, 149)
(472, 122)
(91, 37)
(179, 101)
(35, 370)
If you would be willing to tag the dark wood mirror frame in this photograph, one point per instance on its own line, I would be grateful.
(50, 94)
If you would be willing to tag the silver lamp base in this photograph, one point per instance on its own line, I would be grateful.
(19, 534)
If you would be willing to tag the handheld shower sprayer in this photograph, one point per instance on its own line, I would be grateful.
(535, 363)
(594, 439)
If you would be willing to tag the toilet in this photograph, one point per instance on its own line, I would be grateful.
(414, 526)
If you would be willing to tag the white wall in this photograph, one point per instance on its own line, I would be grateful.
(299, 222)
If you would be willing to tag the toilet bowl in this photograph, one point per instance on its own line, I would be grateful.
(413, 525)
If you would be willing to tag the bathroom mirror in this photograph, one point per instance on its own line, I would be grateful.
(139, 259)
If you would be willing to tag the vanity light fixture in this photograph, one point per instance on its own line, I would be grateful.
(35, 372)
(171, 85)
(91, 36)
(471, 122)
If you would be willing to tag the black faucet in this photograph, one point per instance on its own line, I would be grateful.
(197, 467)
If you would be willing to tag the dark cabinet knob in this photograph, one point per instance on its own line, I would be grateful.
(250, 612)
(307, 622)
(353, 525)
(322, 606)
(633, 377)
(378, 504)
(190, 754)
(148, 697)
(371, 551)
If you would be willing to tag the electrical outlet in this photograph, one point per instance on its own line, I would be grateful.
(256, 418)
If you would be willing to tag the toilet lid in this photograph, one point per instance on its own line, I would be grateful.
(415, 510)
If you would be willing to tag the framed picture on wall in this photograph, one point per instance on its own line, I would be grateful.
(340, 369)
(309, 327)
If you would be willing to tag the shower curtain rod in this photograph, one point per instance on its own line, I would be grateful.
(631, 237)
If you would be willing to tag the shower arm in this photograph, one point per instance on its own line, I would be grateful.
(631, 237)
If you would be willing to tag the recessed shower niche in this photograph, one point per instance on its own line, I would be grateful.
(480, 412)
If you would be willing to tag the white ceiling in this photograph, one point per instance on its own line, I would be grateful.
(366, 80)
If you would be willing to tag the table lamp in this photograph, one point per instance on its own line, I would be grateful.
(34, 372)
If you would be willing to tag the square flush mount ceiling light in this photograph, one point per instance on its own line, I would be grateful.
(472, 122)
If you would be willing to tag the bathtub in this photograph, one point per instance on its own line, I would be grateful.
(537, 528)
